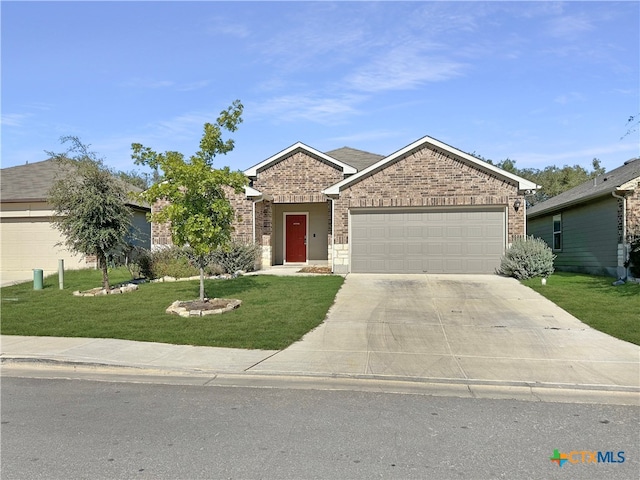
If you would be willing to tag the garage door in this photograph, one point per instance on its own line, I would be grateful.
(427, 241)
(29, 243)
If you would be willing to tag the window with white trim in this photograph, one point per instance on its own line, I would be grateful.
(557, 232)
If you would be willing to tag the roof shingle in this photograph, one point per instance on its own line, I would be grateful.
(31, 183)
(359, 159)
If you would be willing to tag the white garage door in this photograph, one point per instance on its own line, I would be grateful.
(29, 243)
(451, 240)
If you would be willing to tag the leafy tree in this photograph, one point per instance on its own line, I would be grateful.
(632, 125)
(555, 180)
(90, 206)
(142, 180)
(552, 180)
(198, 211)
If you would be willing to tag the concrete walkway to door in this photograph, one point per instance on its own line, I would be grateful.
(466, 328)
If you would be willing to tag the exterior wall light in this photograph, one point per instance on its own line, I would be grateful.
(517, 204)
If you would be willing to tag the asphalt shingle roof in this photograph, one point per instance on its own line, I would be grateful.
(359, 159)
(31, 182)
(603, 184)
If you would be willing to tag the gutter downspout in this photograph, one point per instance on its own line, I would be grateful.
(624, 227)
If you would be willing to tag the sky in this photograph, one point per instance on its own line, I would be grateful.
(542, 83)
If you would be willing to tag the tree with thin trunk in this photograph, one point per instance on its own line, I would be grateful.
(90, 205)
(198, 211)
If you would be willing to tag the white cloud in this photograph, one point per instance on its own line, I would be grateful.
(188, 87)
(315, 108)
(580, 157)
(225, 27)
(403, 68)
(317, 35)
(569, 25)
(14, 119)
(147, 83)
(184, 125)
(569, 98)
(155, 84)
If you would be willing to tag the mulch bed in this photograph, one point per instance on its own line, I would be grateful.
(315, 269)
(212, 304)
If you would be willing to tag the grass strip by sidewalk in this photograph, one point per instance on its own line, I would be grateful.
(614, 310)
(275, 311)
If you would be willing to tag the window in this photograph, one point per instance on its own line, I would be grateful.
(557, 232)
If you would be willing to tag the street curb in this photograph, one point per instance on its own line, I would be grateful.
(38, 367)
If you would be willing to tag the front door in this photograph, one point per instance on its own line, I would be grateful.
(296, 238)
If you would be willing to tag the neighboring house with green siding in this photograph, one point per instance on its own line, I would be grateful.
(589, 226)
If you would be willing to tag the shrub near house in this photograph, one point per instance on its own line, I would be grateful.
(527, 258)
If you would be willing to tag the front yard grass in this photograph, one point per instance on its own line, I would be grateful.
(275, 311)
(614, 310)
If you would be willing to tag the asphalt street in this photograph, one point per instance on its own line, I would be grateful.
(68, 429)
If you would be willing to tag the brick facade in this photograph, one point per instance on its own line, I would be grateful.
(160, 232)
(243, 209)
(429, 177)
(299, 178)
(425, 177)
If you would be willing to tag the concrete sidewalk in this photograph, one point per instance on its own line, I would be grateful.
(184, 359)
(458, 335)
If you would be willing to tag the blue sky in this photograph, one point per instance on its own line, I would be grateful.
(543, 83)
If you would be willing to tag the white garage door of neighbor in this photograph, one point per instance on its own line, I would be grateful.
(31, 243)
(451, 240)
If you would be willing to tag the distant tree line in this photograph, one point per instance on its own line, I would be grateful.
(139, 179)
(553, 180)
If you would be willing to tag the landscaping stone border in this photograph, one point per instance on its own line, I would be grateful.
(224, 276)
(96, 292)
(177, 309)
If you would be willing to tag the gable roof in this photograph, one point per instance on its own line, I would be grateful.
(522, 183)
(31, 183)
(299, 146)
(624, 178)
(354, 157)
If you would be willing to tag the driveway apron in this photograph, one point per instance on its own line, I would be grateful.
(464, 328)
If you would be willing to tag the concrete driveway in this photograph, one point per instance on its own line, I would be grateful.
(466, 328)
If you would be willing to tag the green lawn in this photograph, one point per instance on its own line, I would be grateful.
(275, 311)
(595, 301)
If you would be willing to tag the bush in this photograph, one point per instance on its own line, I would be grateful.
(526, 258)
(634, 257)
(134, 259)
(170, 261)
(180, 262)
(238, 256)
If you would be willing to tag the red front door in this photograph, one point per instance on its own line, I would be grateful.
(296, 242)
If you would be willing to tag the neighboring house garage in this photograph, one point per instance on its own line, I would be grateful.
(28, 238)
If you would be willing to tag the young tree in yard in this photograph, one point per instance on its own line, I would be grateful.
(198, 211)
(89, 204)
